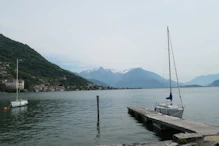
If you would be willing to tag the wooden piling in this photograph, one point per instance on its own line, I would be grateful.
(98, 117)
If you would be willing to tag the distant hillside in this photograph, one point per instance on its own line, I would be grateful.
(33, 68)
(203, 80)
(192, 86)
(99, 83)
(215, 83)
(130, 78)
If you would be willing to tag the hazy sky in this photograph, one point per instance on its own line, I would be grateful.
(83, 34)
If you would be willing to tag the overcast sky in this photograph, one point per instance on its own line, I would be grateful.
(120, 34)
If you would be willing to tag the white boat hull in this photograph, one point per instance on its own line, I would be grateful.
(169, 109)
(19, 103)
(170, 112)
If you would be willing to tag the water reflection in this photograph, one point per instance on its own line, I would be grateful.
(162, 133)
(98, 131)
(17, 122)
(18, 110)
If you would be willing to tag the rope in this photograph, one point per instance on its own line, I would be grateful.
(176, 72)
(9, 106)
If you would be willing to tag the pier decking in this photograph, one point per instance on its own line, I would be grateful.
(190, 133)
(183, 125)
(163, 143)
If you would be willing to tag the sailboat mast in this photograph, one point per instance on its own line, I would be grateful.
(17, 82)
(168, 37)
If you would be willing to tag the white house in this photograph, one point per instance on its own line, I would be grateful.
(12, 84)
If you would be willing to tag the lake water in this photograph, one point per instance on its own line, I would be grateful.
(70, 118)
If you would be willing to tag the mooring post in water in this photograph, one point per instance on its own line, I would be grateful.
(98, 117)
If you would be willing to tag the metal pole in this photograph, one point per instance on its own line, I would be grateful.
(17, 82)
(169, 59)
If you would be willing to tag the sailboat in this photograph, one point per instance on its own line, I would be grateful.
(168, 108)
(18, 102)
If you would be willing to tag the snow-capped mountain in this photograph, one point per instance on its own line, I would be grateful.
(104, 75)
(131, 78)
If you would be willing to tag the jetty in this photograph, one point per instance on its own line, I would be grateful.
(189, 133)
(185, 126)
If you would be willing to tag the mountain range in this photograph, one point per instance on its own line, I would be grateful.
(140, 78)
(130, 78)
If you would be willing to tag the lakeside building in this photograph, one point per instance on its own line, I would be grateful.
(59, 88)
(3, 73)
(12, 84)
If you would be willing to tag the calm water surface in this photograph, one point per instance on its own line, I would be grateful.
(70, 118)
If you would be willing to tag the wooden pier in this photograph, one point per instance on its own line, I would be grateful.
(182, 125)
(190, 133)
(163, 143)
